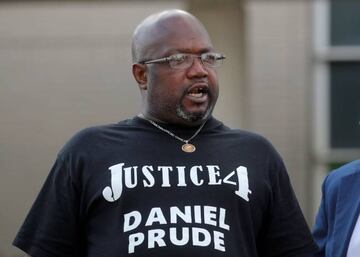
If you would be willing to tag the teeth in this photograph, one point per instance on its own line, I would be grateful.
(197, 92)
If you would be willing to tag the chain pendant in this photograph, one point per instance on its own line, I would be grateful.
(188, 148)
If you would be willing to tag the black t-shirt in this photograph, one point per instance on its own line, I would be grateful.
(128, 189)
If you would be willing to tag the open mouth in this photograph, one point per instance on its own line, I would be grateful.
(198, 91)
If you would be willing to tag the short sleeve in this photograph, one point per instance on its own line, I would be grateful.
(51, 228)
(287, 231)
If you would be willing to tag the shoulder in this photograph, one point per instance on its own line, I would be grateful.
(239, 134)
(351, 168)
(335, 176)
(256, 145)
(251, 136)
(93, 136)
(252, 140)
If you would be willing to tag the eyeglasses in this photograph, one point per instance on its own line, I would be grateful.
(183, 61)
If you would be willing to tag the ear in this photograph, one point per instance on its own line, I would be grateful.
(139, 72)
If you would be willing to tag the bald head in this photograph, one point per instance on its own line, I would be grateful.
(158, 29)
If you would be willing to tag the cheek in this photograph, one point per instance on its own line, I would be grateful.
(164, 90)
(169, 84)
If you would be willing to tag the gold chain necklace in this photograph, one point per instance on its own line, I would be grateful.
(186, 147)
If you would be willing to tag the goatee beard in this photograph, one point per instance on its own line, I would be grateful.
(192, 116)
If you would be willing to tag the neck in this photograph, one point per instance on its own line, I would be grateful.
(179, 121)
(187, 146)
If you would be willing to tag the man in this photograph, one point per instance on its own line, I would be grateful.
(173, 181)
(337, 227)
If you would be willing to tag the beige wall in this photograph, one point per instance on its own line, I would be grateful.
(278, 54)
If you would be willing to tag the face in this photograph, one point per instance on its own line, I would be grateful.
(185, 96)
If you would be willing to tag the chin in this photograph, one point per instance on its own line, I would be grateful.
(193, 116)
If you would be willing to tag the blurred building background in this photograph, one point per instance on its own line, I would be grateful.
(292, 74)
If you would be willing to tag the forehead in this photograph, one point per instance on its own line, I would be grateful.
(181, 35)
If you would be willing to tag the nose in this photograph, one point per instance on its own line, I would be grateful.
(197, 69)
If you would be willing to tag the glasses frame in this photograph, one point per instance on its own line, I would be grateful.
(170, 58)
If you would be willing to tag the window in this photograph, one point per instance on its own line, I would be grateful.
(337, 80)
(344, 23)
(336, 94)
(344, 104)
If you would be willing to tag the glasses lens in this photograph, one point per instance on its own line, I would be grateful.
(184, 61)
(180, 61)
(211, 59)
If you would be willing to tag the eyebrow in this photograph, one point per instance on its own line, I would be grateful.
(187, 50)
